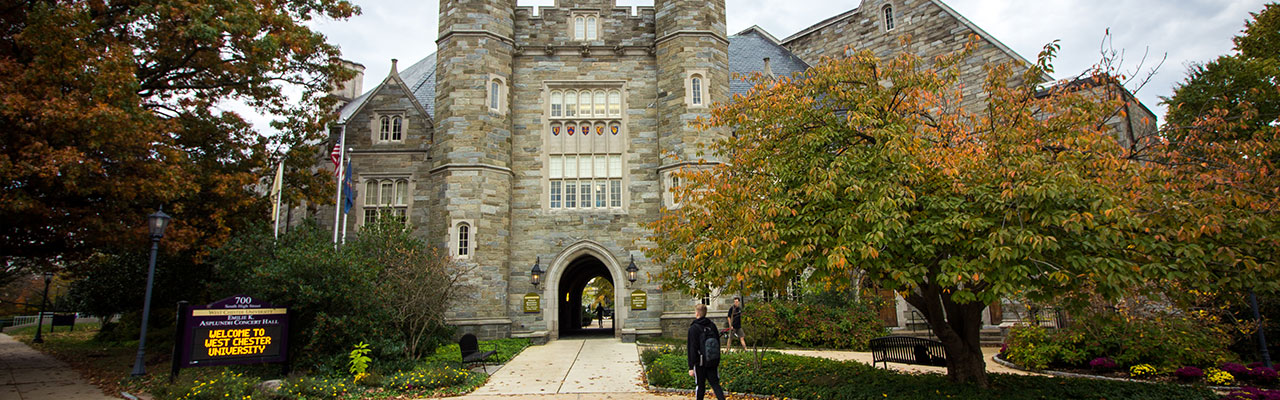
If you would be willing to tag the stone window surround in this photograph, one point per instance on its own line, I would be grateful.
(701, 74)
(503, 94)
(588, 22)
(375, 126)
(362, 199)
(544, 157)
(454, 230)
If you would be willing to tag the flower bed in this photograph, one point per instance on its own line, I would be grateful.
(790, 376)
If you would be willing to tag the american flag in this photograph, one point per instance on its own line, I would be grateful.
(336, 157)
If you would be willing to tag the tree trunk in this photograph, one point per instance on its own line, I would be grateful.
(958, 327)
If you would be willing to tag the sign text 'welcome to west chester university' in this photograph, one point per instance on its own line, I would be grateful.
(234, 330)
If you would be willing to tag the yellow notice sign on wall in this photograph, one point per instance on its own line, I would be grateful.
(532, 303)
(639, 300)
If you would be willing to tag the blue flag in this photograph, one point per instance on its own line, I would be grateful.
(349, 190)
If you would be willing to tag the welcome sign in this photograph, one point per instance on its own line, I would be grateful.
(234, 330)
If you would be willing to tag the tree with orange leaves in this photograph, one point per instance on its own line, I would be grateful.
(109, 109)
(869, 167)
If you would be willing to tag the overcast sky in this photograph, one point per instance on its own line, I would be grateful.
(1187, 31)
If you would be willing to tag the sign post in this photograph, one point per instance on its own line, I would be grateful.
(235, 330)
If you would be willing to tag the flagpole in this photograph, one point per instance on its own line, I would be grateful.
(277, 189)
(337, 204)
(344, 203)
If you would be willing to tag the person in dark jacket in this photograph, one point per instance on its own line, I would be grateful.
(703, 372)
(600, 313)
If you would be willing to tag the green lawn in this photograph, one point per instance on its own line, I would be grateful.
(798, 377)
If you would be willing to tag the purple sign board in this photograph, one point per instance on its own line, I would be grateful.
(235, 330)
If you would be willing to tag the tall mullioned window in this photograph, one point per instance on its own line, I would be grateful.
(386, 198)
(584, 148)
(888, 17)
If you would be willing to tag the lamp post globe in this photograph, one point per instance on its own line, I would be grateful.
(48, 277)
(632, 269)
(156, 224)
(535, 275)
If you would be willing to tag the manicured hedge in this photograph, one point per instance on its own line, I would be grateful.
(790, 376)
(782, 323)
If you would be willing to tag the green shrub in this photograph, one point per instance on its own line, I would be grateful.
(790, 376)
(1166, 341)
(1039, 347)
(831, 326)
(652, 353)
(340, 297)
(226, 385)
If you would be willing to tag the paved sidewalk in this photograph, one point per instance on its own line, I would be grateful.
(865, 358)
(26, 374)
(570, 366)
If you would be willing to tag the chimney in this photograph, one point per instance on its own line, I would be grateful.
(768, 69)
(352, 88)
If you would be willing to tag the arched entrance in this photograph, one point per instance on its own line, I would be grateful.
(568, 275)
(574, 320)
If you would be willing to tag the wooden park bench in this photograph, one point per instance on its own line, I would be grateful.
(471, 353)
(908, 350)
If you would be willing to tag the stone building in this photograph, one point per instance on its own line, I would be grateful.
(547, 137)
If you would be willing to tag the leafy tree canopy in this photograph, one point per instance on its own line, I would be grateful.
(1246, 83)
(1215, 197)
(111, 108)
(862, 164)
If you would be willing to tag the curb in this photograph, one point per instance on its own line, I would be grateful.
(1061, 374)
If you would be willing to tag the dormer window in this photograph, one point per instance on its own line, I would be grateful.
(888, 18)
(586, 27)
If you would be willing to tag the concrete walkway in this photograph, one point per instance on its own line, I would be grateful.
(866, 358)
(570, 367)
(26, 374)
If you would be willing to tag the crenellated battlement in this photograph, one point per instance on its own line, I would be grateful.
(616, 29)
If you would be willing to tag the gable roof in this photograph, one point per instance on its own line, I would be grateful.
(419, 79)
(960, 18)
(747, 51)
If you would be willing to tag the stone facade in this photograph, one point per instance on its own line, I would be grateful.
(479, 137)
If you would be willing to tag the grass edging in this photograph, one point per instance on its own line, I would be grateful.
(1061, 374)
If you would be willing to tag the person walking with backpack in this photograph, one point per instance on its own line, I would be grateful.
(704, 353)
(735, 323)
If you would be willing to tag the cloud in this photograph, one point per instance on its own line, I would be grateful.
(1186, 31)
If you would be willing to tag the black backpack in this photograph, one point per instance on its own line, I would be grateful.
(710, 346)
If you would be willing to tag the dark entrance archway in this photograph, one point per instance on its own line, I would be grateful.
(576, 275)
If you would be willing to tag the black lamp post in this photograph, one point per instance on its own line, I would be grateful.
(48, 276)
(156, 222)
(632, 270)
(1262, 335)
(536, 273)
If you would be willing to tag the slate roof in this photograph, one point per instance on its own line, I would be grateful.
(747, 51)
(421, 79)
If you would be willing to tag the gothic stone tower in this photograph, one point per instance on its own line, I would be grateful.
(471, 159)
(551, 129)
